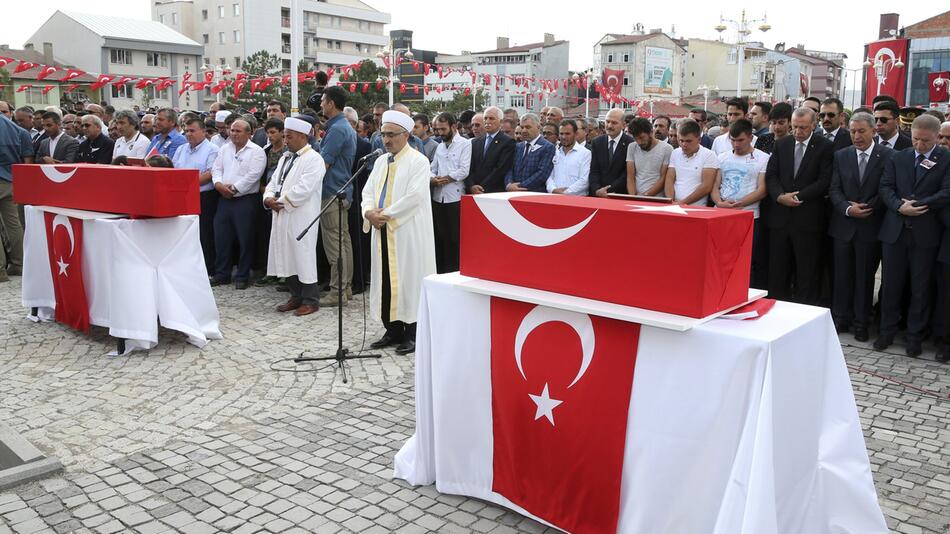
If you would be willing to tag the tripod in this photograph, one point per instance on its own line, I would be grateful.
(342, 355)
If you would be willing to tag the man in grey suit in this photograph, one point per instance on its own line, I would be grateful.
(856, 216)
(58, 147)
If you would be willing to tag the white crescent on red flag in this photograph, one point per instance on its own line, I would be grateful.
(65, 258)
(561, 384)
(46, 71)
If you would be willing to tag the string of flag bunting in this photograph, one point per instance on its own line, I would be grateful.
(515, 84)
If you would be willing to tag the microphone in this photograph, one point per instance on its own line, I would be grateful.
(372, 155)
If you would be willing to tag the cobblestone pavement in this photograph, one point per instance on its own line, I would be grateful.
(215, 440)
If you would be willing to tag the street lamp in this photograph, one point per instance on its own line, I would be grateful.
(705, 89)
(223, 69)
(587, 74)
(743, 29)
(883, 62)
(393, 53)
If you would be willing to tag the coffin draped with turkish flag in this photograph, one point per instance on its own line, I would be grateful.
(685, 260)
(135, 191)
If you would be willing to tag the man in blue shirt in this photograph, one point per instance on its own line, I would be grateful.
(15, 147)
(167, 139)
(338, 149)
(199, 153)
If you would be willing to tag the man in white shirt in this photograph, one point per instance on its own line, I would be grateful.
(131, 143)
(450, 166)
(236, 174)
(740, 184)
(736, 108)
(571, 163)
(648, 159)
(692, 169)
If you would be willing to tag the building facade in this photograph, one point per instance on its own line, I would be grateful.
(929, 52)
(546, 60)
(124, 47)
(652, 65)
(334, 32)
(824, 72)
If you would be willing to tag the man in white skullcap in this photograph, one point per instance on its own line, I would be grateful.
(293, 196)
(222, 137)
(396, 206)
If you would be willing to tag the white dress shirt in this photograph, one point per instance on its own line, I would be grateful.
(240, 168)
(571, 170)
(218, 141)
(131, 148)
(723, 143)
(616, 141)
(452, 160)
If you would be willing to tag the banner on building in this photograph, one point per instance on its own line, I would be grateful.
(939, 86)
(884, 76)
(658, 70)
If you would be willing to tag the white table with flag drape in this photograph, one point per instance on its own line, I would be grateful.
(733, 426)
(137, 273)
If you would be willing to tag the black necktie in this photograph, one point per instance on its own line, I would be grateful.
(919, 169)
(610, 149)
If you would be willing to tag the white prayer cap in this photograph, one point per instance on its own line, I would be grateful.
(399, 119)
(221, 116)
(297, 125)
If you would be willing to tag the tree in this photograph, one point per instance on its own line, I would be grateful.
(257, 65)
(459, 103)
(367, 72)
(6, 87)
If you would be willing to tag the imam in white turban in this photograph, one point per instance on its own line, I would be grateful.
(297, 125)
(399, 119)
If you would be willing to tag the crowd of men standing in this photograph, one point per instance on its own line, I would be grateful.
(834, 195)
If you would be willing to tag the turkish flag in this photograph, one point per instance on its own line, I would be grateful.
(561, 384)
(884, 77)
(938, 83)
(613, 80)
(45, 71)
(64, 242)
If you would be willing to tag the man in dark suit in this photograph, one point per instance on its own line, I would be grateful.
(534, 159)
(608, 162)
(798, 176)
(915, 186)
(65, 147)
(856, 216)
(492, 156)
(831, 115)
(97, 147)
(886, 115)
(780, 122)
(943, 290)
(701, 118)
(360, 241)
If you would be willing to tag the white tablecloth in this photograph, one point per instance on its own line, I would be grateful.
(136, 272)
(734, 426)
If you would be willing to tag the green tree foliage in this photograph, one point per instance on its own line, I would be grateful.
(259, 64)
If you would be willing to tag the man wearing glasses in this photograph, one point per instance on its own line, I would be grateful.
(887, 128)
(700, 116)
(830, 117)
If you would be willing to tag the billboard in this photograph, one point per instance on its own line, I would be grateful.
(658, 70)
(884, 76)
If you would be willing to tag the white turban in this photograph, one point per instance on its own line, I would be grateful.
(297, 125)
(221, 116)
(398, 118)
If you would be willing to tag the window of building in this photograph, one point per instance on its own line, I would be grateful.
(516, 101)
(733, 56)
(237, 36)
(220, 12)
(155, 59)
(186, 60)
(285, 65)
(336, 22)
(161, 18)
(205, 39)
(626, 58)
(284, 17)
(207, 61)
(610, 58)
(237, 62)
(362, 25)
(151, 94)
(122, 91)
(236, 9)
(204, 14)
(119, 56)
(221, 38)
(222, 62)
(329, 43)
(174, 19)
(34, 95)
(626, 81)
(339, 45)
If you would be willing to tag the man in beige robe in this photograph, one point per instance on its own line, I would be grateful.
(396, 207)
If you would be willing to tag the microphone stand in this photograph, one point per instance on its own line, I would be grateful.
(342, 355)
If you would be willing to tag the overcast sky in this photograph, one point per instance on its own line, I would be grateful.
(455, 26)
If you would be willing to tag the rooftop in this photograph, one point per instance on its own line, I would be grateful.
(520, 48)
(129, 29)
